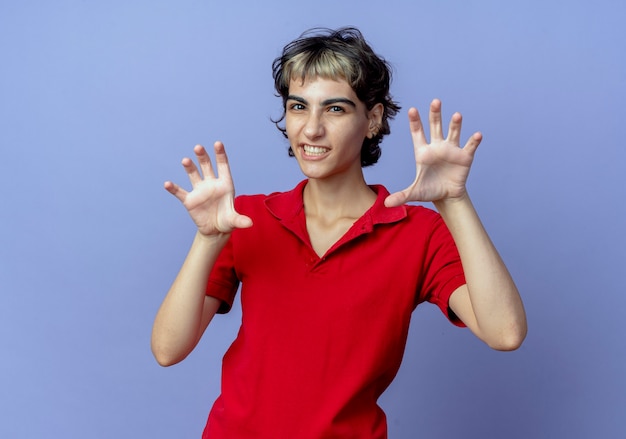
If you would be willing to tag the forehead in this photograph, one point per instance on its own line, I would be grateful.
(320, 87)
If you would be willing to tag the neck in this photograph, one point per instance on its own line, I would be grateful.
(338, 197)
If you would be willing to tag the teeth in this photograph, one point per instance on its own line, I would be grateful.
(314, 150)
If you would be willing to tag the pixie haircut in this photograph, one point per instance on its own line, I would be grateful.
(339, 54)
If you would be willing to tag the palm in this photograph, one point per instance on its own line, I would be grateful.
(442, 167)
(211, 200)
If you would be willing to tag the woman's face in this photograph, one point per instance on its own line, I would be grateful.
(326, 124)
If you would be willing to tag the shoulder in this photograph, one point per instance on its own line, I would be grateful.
(247, 203)
(427, 222)
(423, 224)
(280, 204)
(423, 214)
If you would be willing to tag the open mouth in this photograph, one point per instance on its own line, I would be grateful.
(314, 151)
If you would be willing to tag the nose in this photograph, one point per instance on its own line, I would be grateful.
(313, 128)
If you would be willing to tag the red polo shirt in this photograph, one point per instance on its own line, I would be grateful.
(322, 338)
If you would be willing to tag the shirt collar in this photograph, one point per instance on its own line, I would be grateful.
(285, 206)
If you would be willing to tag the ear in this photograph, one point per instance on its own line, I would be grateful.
(375, 116)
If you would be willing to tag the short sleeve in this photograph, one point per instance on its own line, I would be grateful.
(223, 281)
(444, 271)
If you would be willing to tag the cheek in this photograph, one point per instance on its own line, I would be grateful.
(289, 131)
(289, 126)
(359, 133)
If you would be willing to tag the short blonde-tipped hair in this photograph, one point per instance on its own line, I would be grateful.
(339, 54)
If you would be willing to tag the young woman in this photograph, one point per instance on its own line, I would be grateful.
(332, 270)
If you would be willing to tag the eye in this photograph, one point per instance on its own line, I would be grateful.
(336, 109)
(296, 106)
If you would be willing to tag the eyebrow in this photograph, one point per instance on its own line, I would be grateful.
(330, 101)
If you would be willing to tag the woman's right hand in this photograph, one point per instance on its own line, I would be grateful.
(211, 200)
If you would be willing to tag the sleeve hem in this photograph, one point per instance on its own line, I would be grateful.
(222, 291)
(444, 304)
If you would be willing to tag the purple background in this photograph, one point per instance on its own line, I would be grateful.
(99, 101)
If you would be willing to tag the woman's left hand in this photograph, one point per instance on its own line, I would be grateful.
(442, 165)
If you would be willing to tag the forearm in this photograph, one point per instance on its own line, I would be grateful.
(495, 303)
(179, 321)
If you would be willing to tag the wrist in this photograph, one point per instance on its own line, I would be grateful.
(452, 202)
(212, 239)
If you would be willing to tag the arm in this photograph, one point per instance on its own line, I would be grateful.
(489, 304)
(186, 310)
